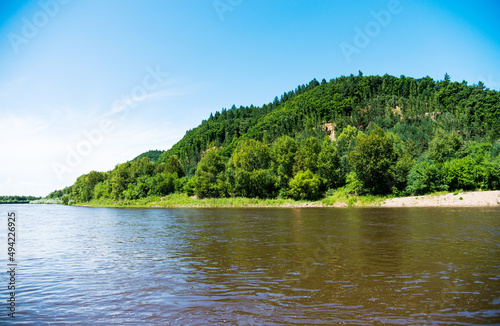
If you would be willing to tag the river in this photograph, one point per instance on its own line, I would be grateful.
(283, 266)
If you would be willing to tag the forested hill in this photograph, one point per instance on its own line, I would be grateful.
(368, 134)
(409, 107)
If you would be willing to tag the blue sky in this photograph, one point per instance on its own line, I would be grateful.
(85, 85)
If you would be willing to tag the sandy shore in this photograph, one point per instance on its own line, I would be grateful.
(462, 199)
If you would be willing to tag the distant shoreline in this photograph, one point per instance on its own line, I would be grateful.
(457, 199)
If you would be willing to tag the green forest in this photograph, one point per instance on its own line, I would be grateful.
(366, 135)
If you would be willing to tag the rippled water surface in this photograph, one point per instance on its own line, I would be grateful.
(100, 266)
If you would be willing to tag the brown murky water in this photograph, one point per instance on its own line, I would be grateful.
(94, 266)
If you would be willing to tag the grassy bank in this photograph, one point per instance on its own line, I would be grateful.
(338, 199)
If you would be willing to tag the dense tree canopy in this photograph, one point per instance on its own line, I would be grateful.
(283, 154)
(372, 160)
(209, 178)
(249, 170)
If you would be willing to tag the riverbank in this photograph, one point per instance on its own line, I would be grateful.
(337, 199)
(184, 201)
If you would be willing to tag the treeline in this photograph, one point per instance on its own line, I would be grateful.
(17, 199)
(369, 135)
